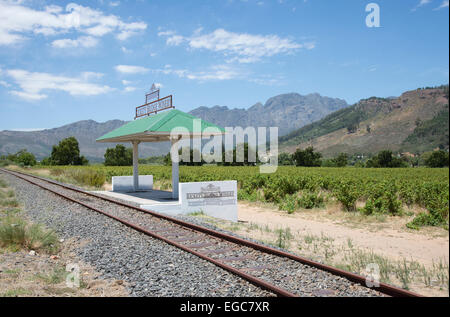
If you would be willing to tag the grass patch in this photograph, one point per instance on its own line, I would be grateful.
(16, 233)
(16, 292)
(56, 276)
(196, 213)
(79, 176)
(405, 273)
(284, 236)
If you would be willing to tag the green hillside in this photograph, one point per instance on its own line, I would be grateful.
(417, 121)
(428, 134)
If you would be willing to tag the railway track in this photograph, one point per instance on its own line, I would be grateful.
(256, 263)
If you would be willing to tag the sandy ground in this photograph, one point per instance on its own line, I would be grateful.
(41, 274)
(348, 240)
(391, 238)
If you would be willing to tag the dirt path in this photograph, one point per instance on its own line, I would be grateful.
(391, 238)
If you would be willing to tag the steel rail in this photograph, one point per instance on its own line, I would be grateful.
(252, 279)
(356, 278)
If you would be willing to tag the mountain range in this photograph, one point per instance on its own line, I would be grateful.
(417, 121)
(287, 111)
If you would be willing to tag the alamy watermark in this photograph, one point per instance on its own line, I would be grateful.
(373, 18)
(73, 278)
(372, 274)
(235, 144)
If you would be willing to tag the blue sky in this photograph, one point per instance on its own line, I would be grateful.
(64, 61)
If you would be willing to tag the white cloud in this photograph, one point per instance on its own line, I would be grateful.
(128, 87)
(82, 41)
(27, 95)
(114, 3)
(421, 4)
(175, 40)
(4, 84)
(18, 22)
(443, 5)
(218, 72)
(129, 69)
(245, 47)
(125, 50)
(33, 83)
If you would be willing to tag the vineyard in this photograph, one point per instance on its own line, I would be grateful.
(367, 191)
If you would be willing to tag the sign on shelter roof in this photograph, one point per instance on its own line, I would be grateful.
(153, 104)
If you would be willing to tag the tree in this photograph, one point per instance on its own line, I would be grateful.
(341, 160)
(67, 152)
(119, 156)
(26, 158)
(248, 151)
(352, 127)
(385, 158)
(192, 153)
(418, 122)
(46, 161)
(22, 157)
(437, 159)
(307, 157)
(285, 159)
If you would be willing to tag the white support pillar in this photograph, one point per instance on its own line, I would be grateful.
(175, 169)
(136, 165)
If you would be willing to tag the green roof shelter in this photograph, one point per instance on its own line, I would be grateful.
(171, 125)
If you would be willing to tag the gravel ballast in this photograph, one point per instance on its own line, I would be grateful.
(150, 267)
(154, 268)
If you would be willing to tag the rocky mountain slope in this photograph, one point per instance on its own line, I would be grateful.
(87, 131)
(287, 112)
(416, 121)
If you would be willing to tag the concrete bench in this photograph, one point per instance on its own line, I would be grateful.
(125, 183)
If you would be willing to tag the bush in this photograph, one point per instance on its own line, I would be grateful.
(26, 158)
(339, 161)
(289, 204)
(307, 157)
(285, 159)
(383, 198)
(385, 159)
(427, 219)
(5, 162)
(310, 200)
(87, 177)
(119, 156)
(346, 193)
(22, 157)
(277, 188)
(437, 159)
(16, 233)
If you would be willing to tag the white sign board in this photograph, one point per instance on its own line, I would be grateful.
(216, 199)
(125, 183)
